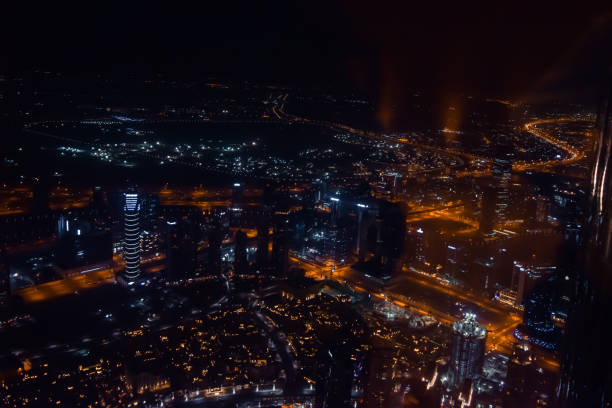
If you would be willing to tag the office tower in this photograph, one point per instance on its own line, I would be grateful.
(345, 235)
(520, 385)
(172, 250)
(215, 240)
(333, 369)
(420, 245)
(149, 205)
(537, 209)
(434, 247)
(263, 241)
(98, 201)
(538, 309)
(586, 360)
(542, 209)
(240, 252)
(299, 238)
(360, 209)
(280, 248)
(487, 210)
(379, 381)
(467, 349)
(40, 192)
(378, 253)
(84, 248)
(502, 175)
(5, 279)
(79, 244)
(538, 326)
(456, 258)
(526, 275)
(530, 210)
(63, 226)
(519, 276)
(131, 240)
(237, 196)
(181, 250)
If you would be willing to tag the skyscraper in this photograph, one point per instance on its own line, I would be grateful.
(215, 241)
(358, 249)
(263, 240)
(240, 252)
(586, 360)
(5, 279)
(467, 349)
(182, 238)
(131, 241)
(280, 248)
(487, 210)
(502, 173)
(522, 378)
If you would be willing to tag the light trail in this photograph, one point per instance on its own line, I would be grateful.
(573, 153)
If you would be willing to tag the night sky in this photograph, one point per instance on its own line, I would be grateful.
(517, 50)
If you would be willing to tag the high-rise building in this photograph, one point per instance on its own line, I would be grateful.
(215, 241)
(435, 249)
(333, 386)
(586, 360)
(237, 196)
(520, 385)
(361, 208)
(5, 279)
(538, 326)
(182, 238)
(280, 248)
(526, 275)
(131, 239)
(40, 192)
(240, 252)
(263, 241)
(98, 201)
(542, 209)
(419, 235)
(537, 209)
(79, 243)
(149, 205)
(467, 349)
(502, 174)
(519, 276)
(487, 210)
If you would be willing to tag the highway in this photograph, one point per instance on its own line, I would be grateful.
(573, 154)
(73, 284)
(76, 283)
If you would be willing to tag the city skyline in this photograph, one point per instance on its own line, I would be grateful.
(326, 206)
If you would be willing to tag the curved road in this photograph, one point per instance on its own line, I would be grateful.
(574, 154)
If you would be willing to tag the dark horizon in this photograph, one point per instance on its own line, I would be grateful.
(512, 51)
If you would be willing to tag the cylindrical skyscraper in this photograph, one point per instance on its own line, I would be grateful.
(131, 243)
(467, 350)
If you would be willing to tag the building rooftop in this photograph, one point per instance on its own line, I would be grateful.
(469, 327)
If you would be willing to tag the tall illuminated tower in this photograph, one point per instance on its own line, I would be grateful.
(131, 251)
(467, 350)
